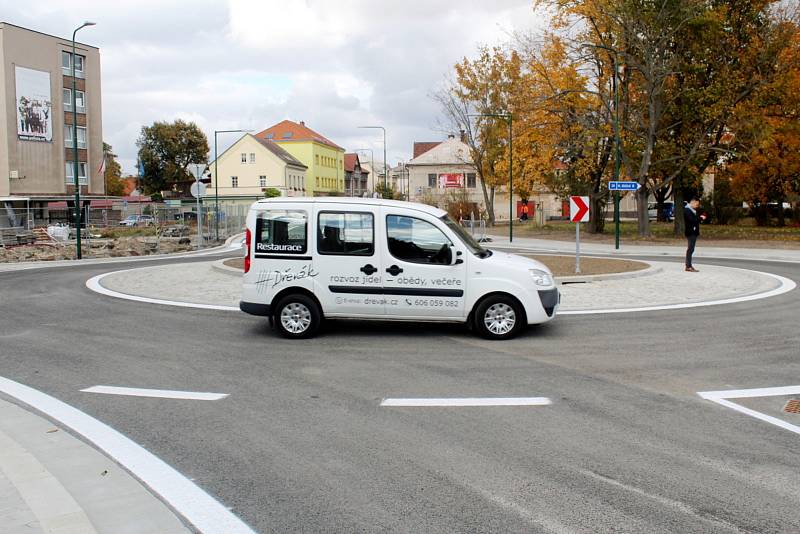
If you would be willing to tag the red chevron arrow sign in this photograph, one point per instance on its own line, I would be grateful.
(579, 209)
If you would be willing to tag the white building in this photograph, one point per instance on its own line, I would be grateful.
(251, 166)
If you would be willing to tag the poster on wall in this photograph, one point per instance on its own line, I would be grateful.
(448, 180)
(34, 105)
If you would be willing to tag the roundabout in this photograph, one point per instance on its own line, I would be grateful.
(651, 417)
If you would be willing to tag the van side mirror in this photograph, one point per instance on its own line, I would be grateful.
(458, 260)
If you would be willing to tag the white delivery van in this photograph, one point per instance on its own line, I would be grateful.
(327, 257)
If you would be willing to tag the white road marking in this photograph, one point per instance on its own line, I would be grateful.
(469, 401)
(721, 398)
(159, 393)
(94, 284)
(786, 286)
(199, 508)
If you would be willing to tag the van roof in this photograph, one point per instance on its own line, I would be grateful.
(436, 212)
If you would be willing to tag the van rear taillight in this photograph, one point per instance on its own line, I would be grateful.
(247, 238)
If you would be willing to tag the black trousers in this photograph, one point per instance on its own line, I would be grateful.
(692, 239)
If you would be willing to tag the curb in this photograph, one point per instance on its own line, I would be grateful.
(611, 276)
(220, 266)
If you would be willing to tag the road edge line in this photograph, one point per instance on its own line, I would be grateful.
(187, 499)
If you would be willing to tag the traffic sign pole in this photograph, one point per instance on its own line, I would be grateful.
(577, 248)
(616, 220)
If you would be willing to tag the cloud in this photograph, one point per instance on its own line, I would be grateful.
(251, 63)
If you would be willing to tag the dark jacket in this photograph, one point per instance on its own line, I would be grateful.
(691, 222)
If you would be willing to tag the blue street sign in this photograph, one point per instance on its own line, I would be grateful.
(624, 186)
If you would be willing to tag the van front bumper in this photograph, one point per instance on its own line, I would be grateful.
(253, 308)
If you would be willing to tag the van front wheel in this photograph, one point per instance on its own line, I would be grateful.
(297, 316)
(498, 317)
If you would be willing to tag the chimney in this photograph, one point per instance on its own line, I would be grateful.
(451, 136)
(463, 136)
(302, 123)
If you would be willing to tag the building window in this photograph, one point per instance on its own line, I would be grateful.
(317, 182)
(66, 64)
(244, 157)
(431, 180)
(252, 157)
(83, 179)
(80, 100)
(316, 159)
(262, 181)
(471, 180)
(68, 136)
(234, 182)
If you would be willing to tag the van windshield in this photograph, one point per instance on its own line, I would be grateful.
(466, 238)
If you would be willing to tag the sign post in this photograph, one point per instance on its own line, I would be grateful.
(616, 187)
(578, 213)
(199, 189)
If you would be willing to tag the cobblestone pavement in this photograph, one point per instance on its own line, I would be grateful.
(669, 284)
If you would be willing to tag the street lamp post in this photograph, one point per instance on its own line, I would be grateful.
(216, 179)
(75, 163)
(384, 152)
(509, 118)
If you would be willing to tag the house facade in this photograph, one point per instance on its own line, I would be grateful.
(323, 158)
(252, 165)
(356, 177)
(36, 116)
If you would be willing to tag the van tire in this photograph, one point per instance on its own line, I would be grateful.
(491, 317)
(297, 316)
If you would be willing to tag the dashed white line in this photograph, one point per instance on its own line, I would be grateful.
(199, 508)
(468, 401)
(158, 393)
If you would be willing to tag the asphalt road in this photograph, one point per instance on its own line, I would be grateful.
(302, 445)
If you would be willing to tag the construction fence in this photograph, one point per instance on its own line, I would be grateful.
(213, 224)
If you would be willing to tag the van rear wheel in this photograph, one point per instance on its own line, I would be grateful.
(498, 317)
(297, 316)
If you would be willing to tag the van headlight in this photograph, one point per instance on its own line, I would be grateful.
(541, 278)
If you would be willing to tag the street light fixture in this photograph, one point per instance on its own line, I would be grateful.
(75, 163)
(384, 151)
(216, 178)
(508, 117)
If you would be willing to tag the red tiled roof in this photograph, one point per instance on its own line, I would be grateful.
(292, 131)
(559, 166)
(350, 162)
(423, 146)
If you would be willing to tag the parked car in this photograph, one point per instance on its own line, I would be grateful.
(138, 220)
(669, 211)
(311, 259)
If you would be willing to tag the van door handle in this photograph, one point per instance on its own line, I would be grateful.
(368, 269)
(394, 270)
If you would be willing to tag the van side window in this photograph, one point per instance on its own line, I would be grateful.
(416, 241)
(346, 234)
(281, 232)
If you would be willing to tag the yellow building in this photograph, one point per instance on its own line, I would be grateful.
(324, 158)
(252, 165)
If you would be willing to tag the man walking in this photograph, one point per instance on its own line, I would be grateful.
(691, 220)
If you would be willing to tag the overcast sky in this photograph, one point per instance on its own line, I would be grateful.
(336, 64)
